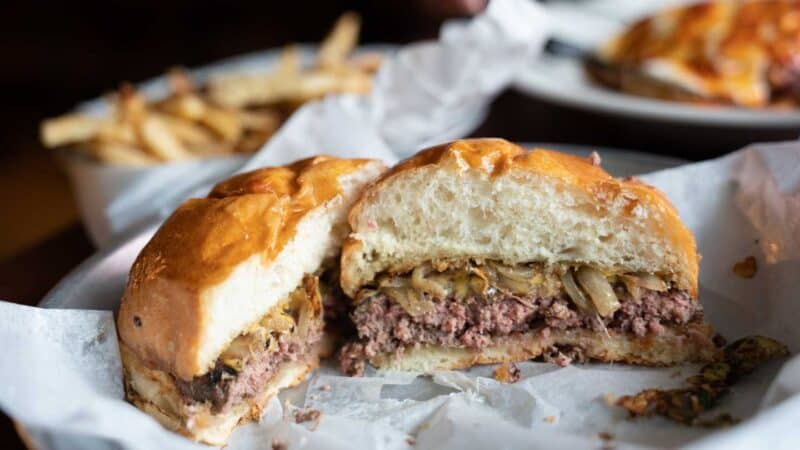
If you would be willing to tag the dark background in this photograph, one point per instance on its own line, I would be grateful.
(56, 54)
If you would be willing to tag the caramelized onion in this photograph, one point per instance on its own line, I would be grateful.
(652, 282)
(479, 280)
(599, 289)
(518, 279)
(309, 303)
(409, 300)
(237, 354)
(296, 314)
(461, 284)
(574, 292)
(365, 294)
(632, 286)
(638, 282)
(517, 273)
(418, 281)
(278, 322)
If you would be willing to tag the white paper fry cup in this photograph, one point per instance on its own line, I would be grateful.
(96, 185)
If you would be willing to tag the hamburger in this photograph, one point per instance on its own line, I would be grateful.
(224, 306)
(478, 252)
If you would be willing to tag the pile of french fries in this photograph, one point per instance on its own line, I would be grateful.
(234, 113)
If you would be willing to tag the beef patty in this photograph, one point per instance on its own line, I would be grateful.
(385, 326)
(223, 386)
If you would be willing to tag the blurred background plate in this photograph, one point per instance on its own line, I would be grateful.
(562, 80)
(98, 282)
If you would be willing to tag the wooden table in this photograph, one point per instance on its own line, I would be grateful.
(28, 276)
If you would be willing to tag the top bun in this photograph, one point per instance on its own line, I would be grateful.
(489, 198)
(218, 264)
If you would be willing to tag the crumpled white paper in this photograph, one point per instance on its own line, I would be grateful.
(423, 93)
(60, 374)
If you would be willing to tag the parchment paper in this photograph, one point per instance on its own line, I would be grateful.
(60, 374)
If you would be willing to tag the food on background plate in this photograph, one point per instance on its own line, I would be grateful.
(224, 306)
(232, 114)
(740, 53)
(478, 251)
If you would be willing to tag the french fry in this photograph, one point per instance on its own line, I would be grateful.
(317, 84)
(219, 118)
(188, 106)
(211, 149)
(224, 122)
(237, 91)
(117, 132)
(121, 154)
(160, 141)
(69, 129)
(288, 62)
(366, 62)
(253, 141)
(187, 131)
(340, 41)
(180, 82)
(268, 121)
(130, 105)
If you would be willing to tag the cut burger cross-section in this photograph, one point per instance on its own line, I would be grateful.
(478, 251)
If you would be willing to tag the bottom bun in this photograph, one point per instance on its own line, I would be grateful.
(690, 343)
(154, 392)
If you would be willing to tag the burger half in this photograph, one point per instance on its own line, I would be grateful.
(481, 252)
(224, 305)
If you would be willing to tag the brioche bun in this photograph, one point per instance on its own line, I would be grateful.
(489, 198)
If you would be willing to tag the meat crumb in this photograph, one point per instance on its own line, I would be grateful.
(278, 444)
(507, 373)
(309, 415)
(606, 437)
(594, 159)
(550, 419)
(563, 355)
(610, 399)
(325, 387)
(410, 440)
(746, 268)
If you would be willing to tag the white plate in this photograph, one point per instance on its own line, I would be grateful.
(563, 81)
(99, 281)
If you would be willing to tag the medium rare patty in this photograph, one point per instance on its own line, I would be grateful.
(223, 386)
(385, 326)
(290, 332)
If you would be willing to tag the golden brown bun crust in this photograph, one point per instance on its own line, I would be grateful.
(498, 156)
(690, 343)
(200, 244)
